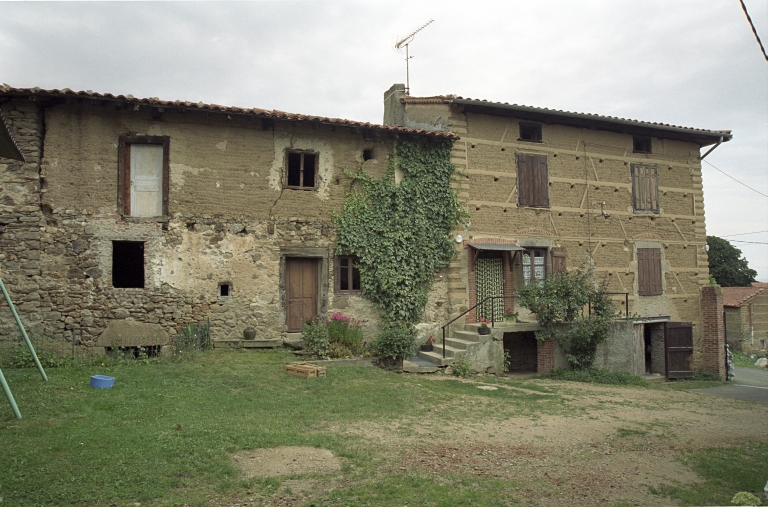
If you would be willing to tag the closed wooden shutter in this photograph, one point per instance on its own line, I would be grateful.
(532, 180)
(558, 259)
(649, 272)
(645, 187)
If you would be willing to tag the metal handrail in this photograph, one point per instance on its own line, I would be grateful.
(493, 314)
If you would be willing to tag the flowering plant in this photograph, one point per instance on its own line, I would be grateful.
(510, 315)
(430, 340)
(484, 322)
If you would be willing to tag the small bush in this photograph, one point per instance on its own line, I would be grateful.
(745, 498)
(339, 337)
(705, 375)
(191, 339)
(461, 369)
(597, 376)
(22, 358)
(395, 343)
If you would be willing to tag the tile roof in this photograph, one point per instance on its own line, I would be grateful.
(737, 296)
(262, 113)
(482, 103)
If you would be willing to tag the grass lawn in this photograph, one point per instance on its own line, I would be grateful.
(165, 434)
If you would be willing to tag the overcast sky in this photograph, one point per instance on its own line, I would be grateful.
(690, 63)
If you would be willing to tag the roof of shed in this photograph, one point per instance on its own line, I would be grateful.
(737, 296)
(33, 93)
(702, 137)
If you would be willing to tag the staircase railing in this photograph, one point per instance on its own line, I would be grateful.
(493, 314)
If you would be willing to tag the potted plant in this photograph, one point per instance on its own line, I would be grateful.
(483, 329)
(427, 347)
(509, 315)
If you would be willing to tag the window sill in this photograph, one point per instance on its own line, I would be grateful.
(299, 188)
(349, 293)
(137, 220)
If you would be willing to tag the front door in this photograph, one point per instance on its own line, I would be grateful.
(678, 344)
(489, 280)
(301, 291)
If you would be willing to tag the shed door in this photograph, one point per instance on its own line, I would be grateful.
(301, 287)
(678, 346)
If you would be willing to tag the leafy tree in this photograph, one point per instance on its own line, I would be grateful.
(559, 304)
(727, 265)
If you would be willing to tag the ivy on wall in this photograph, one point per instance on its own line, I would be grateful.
(401, 234)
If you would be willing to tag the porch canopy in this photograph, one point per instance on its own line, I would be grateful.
(496, 247)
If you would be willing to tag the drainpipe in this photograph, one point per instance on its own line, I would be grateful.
(712, 148)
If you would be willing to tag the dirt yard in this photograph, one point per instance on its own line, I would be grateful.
(626, 440)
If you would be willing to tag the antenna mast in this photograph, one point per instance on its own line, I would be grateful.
(404, 42)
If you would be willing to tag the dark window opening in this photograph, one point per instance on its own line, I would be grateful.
(530, 132)
(348, 276)
(135, 352)
(128, 264)
(641, 144)
(225, 290)
(302, 167)
(367, 154)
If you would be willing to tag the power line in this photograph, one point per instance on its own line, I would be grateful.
(754, 31)
(742, 234)
(750, 242)
(734, 179)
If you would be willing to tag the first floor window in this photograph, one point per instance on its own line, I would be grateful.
(143, 173)
(649, 272)
(534, 265)
(301, 170)
(347, 275)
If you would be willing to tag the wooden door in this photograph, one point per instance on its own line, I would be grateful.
(301, 291)
(678, 347)
(146, 170)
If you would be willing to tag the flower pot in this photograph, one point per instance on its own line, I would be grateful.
(249, 333)
(483, 330)
(427, 348)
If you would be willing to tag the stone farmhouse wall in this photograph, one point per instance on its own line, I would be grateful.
(230, 219)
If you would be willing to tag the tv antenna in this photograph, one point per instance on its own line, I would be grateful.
(404, 42)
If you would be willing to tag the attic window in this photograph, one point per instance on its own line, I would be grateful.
(368, 154)
(128, 264)
(641, 144)
(530, 132)
(301, 170)
(225, 290)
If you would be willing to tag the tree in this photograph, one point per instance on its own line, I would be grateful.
(727, 266)
(560, 305)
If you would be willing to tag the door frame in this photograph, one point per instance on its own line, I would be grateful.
(322, 255)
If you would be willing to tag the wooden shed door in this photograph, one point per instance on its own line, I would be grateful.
(678, 345)
(301, 297)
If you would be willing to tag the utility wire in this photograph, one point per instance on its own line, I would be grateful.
(754, 31)
(734, 179)
(750, 242)
(742, 234)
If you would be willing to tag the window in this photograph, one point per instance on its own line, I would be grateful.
(532, 180)
(347, 275)
(649, 272)
(128, 264)
(143, 176)
(641, 144)
(645, 188)
(762, 344)
(301, 170)
(225, 290)
(368, 154)
(534, 265)
(530, 132)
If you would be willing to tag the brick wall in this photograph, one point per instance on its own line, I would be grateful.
(545, 356)
(713, 339)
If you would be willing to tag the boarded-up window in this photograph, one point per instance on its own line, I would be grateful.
(558, 259)
(143, 176)
(532, 180)
(649, 272)
(301, 170)
(645, 188)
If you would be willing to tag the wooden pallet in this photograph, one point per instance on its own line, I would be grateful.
(305, 370)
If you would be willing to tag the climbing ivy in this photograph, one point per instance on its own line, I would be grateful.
(401, 234)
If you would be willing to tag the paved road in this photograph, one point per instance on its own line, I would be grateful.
(750, 384)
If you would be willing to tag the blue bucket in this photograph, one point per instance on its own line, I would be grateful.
(102, 381)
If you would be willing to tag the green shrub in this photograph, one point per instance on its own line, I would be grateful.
(395, 343)
(705, 375)
(461, 369)
(597, 376)
(22, 358)
(341, 336)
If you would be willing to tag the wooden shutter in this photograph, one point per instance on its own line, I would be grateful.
(558, 259)
(645, 188)
(678, 345)
(532, 180)
(649, 272)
